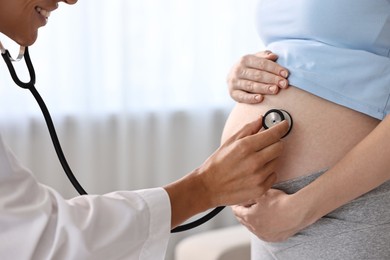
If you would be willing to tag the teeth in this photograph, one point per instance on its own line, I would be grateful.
(43, 12)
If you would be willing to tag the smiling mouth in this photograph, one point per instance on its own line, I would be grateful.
(42, 12)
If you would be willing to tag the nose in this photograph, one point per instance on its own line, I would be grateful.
(70, 2)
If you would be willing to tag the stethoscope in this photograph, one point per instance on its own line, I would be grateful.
(271, 118)
(275, 116)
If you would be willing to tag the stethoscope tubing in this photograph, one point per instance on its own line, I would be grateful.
(46, 114)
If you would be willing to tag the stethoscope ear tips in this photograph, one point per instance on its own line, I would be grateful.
(275, 116)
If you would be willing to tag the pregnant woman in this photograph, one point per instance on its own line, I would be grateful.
(332, 199)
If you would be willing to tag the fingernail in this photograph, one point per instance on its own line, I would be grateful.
(284, 73)
(273, 89)
(258, 97)
(283, 83)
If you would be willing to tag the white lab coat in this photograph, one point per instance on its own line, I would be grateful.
(37, 223)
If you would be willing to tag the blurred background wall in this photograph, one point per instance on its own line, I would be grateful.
(137, 91)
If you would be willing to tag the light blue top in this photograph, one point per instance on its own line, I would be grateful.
(336, 49)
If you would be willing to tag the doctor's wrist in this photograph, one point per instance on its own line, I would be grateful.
(188, 197)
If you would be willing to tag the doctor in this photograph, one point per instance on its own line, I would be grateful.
(37, 223)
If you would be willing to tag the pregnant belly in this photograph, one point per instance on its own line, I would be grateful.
(322, 132)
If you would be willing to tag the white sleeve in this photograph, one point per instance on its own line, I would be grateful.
(37, 223)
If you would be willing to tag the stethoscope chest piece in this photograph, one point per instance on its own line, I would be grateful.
(275, 116)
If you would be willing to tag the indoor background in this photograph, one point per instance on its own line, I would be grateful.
(137, 90)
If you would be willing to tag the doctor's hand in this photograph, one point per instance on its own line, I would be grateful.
(256, 75)
(242, 169)
(244, 166)
(273, 218)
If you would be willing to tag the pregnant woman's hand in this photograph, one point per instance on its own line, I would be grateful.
(256, 75)
(274, 217)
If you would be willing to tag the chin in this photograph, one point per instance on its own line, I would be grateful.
(26, 40)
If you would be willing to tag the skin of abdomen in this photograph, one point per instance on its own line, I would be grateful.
(322, 131)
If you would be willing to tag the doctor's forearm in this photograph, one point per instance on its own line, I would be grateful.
(364, 168)
(188, 197)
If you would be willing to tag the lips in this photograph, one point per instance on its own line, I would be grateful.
(43, 12)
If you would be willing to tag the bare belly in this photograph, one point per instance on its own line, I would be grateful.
(322, 132)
